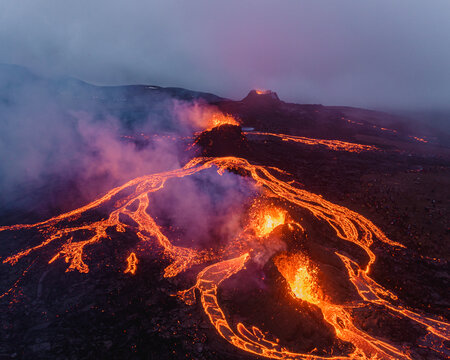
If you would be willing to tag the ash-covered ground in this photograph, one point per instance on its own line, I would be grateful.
(403, 188)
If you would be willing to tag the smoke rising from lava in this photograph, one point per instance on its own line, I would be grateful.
(52, 141)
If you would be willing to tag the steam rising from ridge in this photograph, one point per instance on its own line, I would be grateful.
(56, 135)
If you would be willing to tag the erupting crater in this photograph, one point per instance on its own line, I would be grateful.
(262, 98)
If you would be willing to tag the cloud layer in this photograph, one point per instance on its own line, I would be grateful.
(365, 53)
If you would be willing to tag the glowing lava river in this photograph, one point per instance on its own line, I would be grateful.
(133, 200)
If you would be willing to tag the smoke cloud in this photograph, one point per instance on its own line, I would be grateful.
(62, 143)
(206, 209)
(391, 54)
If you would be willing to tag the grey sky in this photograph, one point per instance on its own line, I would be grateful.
(370, 53)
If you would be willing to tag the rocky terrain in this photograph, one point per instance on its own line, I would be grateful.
(403, 188)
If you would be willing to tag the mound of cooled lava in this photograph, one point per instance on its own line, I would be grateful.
(223, 140)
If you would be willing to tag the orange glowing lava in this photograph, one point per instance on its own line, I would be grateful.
(218, 119)
(419, 139)
(266, 219)
(132, 200)
(132, 262)
(300, 275)
(335, 145)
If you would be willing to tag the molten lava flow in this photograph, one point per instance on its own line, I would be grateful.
(335, 145)
(384, 129)
(63, 227)
(301, 276)
(419, 139)
(132, 262)
(132, 200)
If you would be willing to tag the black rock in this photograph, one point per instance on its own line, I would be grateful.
(223, 140)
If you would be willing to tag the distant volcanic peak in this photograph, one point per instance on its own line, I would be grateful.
(262, 96)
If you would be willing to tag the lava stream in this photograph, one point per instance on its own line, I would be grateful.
(348, 225)
(132, 262)
(335, 145)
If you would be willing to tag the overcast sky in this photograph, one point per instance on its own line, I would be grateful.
(379, 53)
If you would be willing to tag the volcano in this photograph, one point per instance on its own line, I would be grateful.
(262, 98)
(316, 233)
